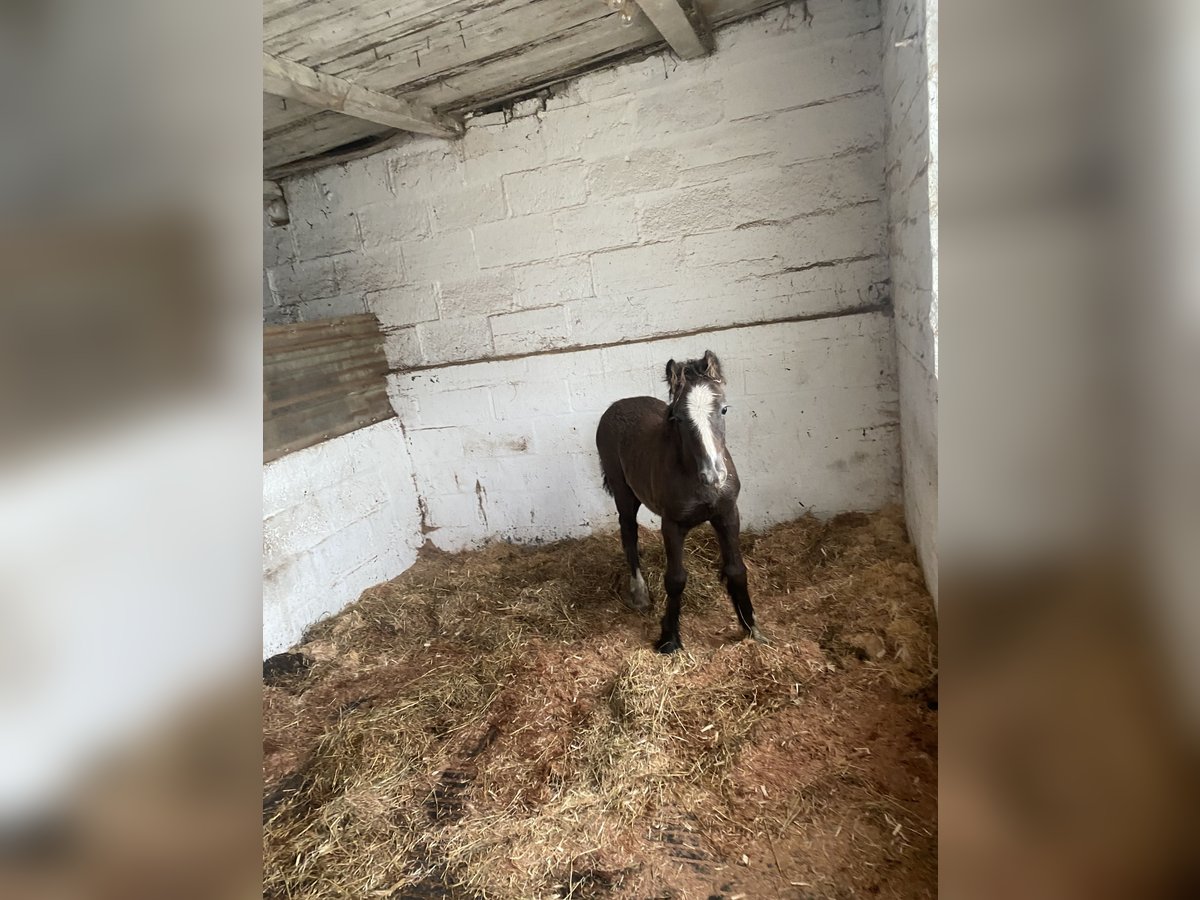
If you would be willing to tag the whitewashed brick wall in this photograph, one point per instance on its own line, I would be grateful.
(552, 260)
(645, 200)
(337, 518)
(910, 88)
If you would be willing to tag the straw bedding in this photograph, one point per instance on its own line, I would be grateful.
(494, 724)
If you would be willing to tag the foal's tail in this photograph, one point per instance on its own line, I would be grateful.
(608, 443)
(604, 437)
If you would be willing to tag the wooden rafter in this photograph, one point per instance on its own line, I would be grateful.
(332, 157)
(677, 27)
(285, 78)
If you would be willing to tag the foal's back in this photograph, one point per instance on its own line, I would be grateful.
(630, 420)
(629, 439)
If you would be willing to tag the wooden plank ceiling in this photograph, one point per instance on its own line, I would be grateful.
(443, 58)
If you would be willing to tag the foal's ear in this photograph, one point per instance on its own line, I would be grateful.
(674, 376)
(712, 366)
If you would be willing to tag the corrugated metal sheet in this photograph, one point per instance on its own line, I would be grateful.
(320, 380)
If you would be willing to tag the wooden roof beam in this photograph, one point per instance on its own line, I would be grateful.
(285, 78)
(686, 33)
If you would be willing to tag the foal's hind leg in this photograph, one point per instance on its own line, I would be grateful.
(627, 510)
(733, 570)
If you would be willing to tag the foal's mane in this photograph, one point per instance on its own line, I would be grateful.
(693, 371)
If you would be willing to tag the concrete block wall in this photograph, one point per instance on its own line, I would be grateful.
(910, 90)
(337, 518)
(552, 260)
(645, 200)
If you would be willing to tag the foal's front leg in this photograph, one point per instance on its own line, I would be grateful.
(675, 580)
(733, 570)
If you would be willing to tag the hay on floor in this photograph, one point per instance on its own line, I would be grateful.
(494, 724)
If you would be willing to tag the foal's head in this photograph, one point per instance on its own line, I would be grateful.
(697, 414)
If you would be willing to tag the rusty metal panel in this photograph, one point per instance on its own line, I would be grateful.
(321, 380)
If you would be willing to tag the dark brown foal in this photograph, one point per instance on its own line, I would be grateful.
(672, 458)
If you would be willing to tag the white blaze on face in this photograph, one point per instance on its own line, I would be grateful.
(700, 403)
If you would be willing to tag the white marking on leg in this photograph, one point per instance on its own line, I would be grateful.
(638, 595)
(700, 404)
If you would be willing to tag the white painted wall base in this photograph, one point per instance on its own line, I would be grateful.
(507, 448)
(337, 518)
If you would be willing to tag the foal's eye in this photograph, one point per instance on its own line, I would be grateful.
(724, 409)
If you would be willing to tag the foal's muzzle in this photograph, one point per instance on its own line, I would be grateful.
(713, 476)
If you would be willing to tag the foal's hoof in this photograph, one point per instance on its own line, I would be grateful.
(668, 645)
(755, 634)
(638, 598)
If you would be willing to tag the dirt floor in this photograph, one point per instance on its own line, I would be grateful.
(494, 724)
